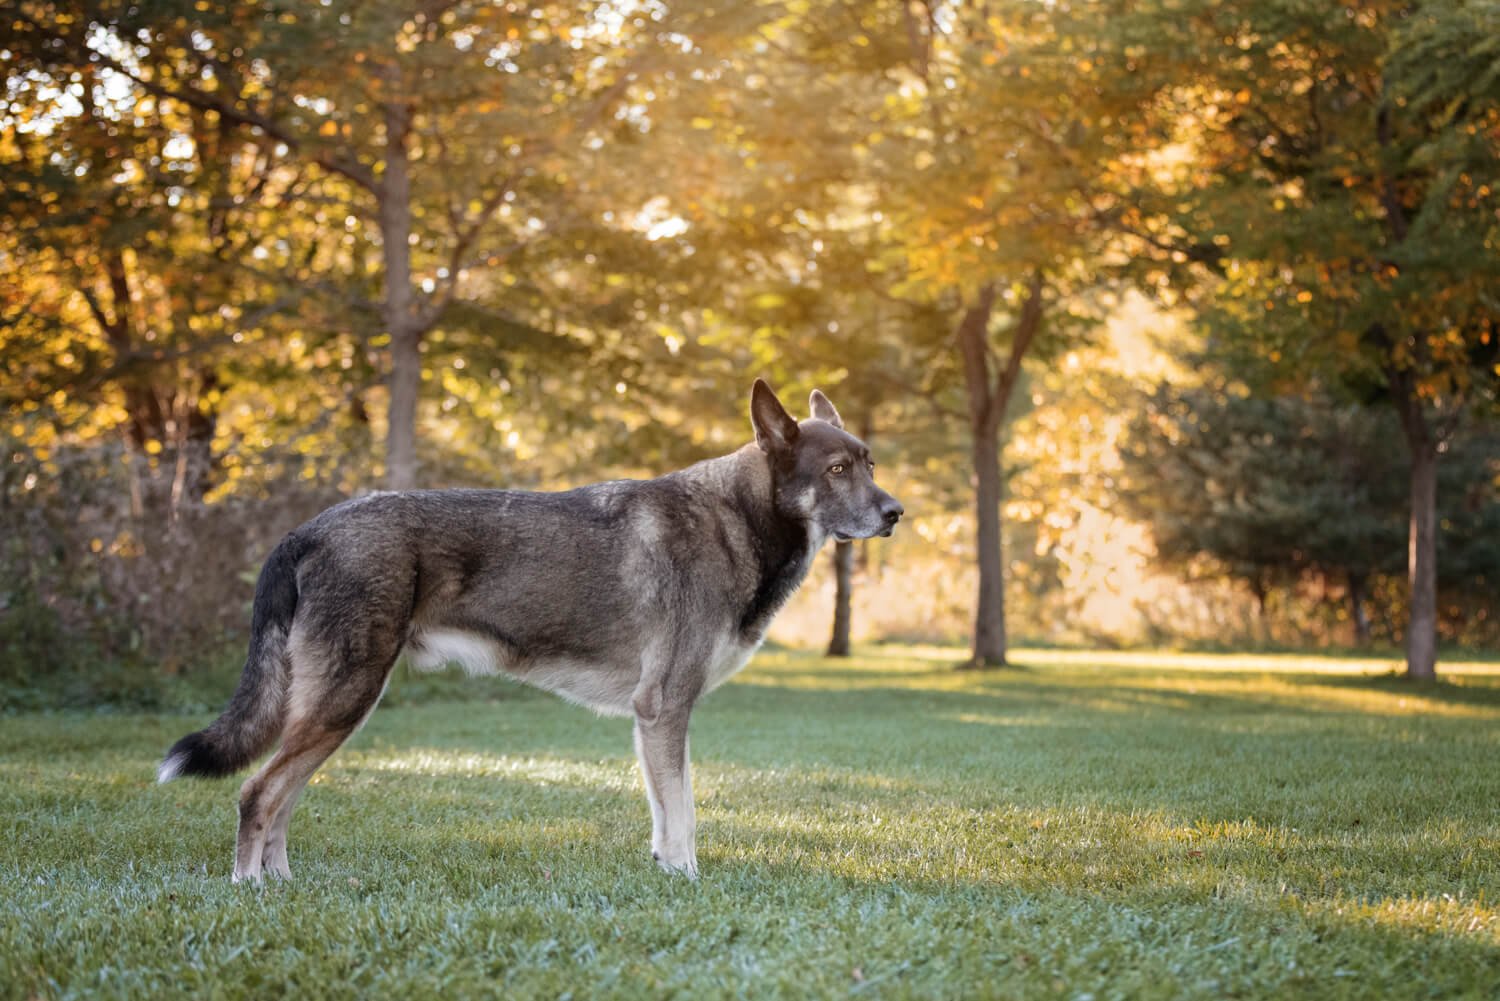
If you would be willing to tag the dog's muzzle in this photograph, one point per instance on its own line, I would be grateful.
(889, 515)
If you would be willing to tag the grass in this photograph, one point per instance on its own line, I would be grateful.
(1076, 828)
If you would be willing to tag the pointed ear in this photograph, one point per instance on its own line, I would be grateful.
(774, 428)
(823, 410)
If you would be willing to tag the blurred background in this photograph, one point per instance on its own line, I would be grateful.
(1172, 323)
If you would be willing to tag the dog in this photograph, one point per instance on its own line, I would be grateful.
(632, 598)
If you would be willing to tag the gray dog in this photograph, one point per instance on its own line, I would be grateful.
(633, 598)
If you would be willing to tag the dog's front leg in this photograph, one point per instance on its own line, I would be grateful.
(662, 745)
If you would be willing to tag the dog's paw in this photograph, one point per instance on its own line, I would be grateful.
(687, 865)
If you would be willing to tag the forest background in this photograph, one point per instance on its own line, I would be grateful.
(1170, 322)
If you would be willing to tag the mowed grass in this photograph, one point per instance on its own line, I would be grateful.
(1078, 827)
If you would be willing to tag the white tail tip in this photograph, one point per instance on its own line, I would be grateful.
(170, 768)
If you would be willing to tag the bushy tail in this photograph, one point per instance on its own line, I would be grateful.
(253, 720)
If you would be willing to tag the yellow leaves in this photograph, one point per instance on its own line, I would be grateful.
(702, 123)
(153, 447)
(1304, 296)
(328, 128)
(923, 160)
(1242, 96)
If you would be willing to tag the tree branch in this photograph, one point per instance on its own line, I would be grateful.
(973, 337)
(1027, 326)
(204, 101)
(474, 224)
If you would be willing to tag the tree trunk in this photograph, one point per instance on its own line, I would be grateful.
(1358, 584)
(843, 568)
(988, 401)
(984, 428)
(400, 316)
(1421, 631)
(989, 616)
(843, 572)
(1261, 591)
(1421, 557)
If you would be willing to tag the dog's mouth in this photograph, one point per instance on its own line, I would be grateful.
(884, 533)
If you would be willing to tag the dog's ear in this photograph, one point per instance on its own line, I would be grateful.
(823, 409)
(774, 428)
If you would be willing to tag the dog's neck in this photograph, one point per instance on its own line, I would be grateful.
(784, 546)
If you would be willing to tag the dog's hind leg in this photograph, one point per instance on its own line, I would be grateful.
(274, 856)
(661, 743)
(326, 707)
(267, 798)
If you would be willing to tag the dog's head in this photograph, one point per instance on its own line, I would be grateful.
(822, 474)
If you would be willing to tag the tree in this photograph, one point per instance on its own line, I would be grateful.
(1340, 182)
(996, 173)
(1268, 488)
(448, 129)
(1275, 487)
(143, 253)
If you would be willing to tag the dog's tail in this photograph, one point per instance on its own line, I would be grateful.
(253, 720)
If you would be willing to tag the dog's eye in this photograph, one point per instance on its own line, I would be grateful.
(836, 469)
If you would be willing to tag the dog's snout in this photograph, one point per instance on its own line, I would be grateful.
(892, 512)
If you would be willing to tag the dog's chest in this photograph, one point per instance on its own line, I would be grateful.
(728, 656)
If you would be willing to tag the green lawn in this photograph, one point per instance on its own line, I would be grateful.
(1082, 827)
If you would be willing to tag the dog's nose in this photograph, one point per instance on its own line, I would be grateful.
(893, 512)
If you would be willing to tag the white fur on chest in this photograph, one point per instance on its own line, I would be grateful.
(728, 657)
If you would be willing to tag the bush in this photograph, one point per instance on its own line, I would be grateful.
(109, 589)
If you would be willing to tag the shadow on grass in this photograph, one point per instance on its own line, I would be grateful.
(1023, 880)
(1342, 785)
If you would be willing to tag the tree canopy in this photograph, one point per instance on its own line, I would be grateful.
(342, 245)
